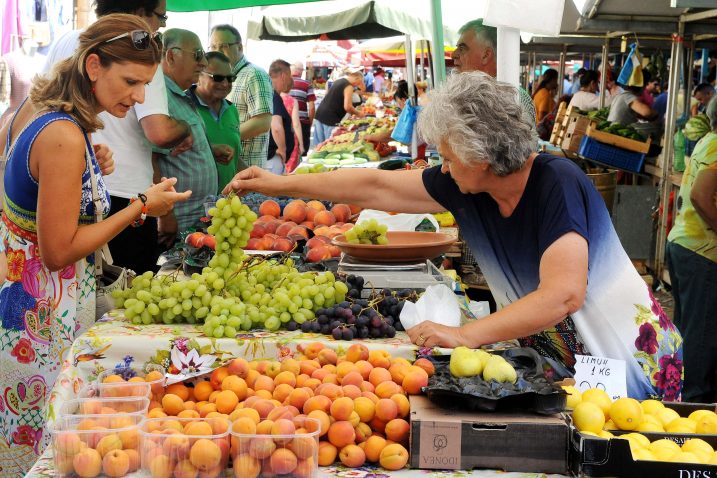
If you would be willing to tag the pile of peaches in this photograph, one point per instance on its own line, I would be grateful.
(279, 230)
(271, 418)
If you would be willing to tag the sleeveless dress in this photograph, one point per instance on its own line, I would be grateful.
(41, 312)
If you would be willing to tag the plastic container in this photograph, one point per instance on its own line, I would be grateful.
(290, 454)
(617, 157)
(97, 445)
(104, 406)
(172, 446)
(130, 382)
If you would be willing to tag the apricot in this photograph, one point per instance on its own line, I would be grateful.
(324, 420)
(244, 426)
(303, 446)
(397, 430)
(261, 447)
(265, 394)
(205, 454)
(364, 368)
(365, 408)
(87, 463)
(173, 425)
(331, 378)
(370, 395)
(327, 356)
(330, 390)
(378, 376)
(327, 453)
(235, 384)
(264, 427)
(352, 456)
(249, 413)
(217, 376)
(263, 407)
(108, 443)
(377, 425)
(129, 438)
(281, 412)
(176, 447)
(398, 371)
(172, 404)
(63, 465)
(198, 428)
(298, 398)
(160, 467)
(219, 424)
(246, 466)
(227, 400)
(386, 410)
(404, 406)
(207, 408)
(68, 444)
(185, 469)
(134, 462)
(283, 427)
(363, 431)
(264, 382)
(179, 389)
(188, 414)
(156, 413)
(426, 365)
(379, 358)
(345, 367)
(251, 377)
(393, 457)
(415, 379)
(305, 468)
(317, 402)
(239, 367)
(351, 391)
(341, 433)
(283, 461)
(285, 377)
(312, 383)
(388, 389)
(352, 378)
(357, 352)
(309, 366)
(367, 386)
(373, 447)
(282, 392)
(341, 408)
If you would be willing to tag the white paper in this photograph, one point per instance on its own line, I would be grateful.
(437, 304)
(397, 222)
(600, 372)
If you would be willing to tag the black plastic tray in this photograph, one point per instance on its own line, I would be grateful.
(532, 391)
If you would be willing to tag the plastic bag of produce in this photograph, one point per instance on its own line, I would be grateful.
(438, 304)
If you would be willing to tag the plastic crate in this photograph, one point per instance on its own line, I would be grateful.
(617, 157)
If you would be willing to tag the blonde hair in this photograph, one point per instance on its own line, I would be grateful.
(68, 88)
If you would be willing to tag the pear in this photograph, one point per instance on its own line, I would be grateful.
(466, 362)
(500, 370)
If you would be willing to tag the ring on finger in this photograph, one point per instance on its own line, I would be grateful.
(422, 339)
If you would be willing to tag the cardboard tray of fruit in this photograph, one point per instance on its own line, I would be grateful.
(532, 391)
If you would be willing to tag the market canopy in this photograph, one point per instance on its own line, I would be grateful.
(346, 19)
(213, 5)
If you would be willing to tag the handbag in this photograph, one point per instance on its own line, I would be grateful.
(109, 276)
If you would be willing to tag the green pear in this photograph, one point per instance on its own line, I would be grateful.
(500, 370)
(465, 362)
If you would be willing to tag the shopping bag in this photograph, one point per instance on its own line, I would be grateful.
(403, 132)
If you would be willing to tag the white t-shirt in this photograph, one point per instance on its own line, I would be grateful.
(124, 136)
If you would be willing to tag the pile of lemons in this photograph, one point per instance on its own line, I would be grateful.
(595, 414)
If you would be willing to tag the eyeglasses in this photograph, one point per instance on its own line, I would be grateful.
(162, 16)
(141, 39)
(220, 78)
(198, 54)
(222, 46)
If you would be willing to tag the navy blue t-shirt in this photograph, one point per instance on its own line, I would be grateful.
(280, 110)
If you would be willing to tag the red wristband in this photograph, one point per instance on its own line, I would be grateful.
(144, 211)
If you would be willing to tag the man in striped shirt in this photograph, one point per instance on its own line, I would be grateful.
(304, 94)
(252, 94)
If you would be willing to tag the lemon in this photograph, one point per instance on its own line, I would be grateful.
(626, 413)
(684, 457)
(574, 396)
(666, 415)
(646, 426)
(634, 442)
(663, 449)
(697, 444)
(605, 434)
(641, 439)
(702, 456)
(651, 406)
(713, 459)
(588, 417)
(707, 425)
(643, 454)
(647, 418)
(698, 414)
(610, 425)
(600, 398)
(681, 425)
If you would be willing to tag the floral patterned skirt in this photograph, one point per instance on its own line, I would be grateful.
(41, 314)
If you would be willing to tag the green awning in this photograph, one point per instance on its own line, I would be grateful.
(206, 5)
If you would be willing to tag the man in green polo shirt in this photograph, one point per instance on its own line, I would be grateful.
(220, 118)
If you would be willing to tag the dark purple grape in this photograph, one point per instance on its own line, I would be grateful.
(363, 303)
(390, 332)
(351, 320)
(320, 312)
(399, 326)
(362, 320)
(315, 326)
(376, 322)
(363, 333)
(354, 294)
(388, 319)
(306, 326)
(359, 282)
(335, 324)
(344, 305)
(347, 334)
(347, 314)
(291, 325)
(325, 329)
(322, 319)
(375, 333)
(356, 309)
(330, 312)
(336, 333)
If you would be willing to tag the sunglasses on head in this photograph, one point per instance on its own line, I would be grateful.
(220, 78)
(141, 39)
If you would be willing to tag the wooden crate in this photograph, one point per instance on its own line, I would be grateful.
(556, 134)
(619, 141)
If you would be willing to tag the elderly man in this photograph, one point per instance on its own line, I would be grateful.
(182, 62)
(251, 93)
(281, 142)
(221, 118)
(303, 91)
(537, 226)
(476, 51)
(131, 138)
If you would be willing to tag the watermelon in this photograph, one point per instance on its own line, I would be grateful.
(697, 127)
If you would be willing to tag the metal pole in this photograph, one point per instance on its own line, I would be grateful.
(668, 149)
(604, 64)
(421, 73)
(704, 70)
(439, 73)
(561, 70)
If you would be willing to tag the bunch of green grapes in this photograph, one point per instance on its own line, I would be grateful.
(367, 232)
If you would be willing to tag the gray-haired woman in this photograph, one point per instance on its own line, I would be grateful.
(539, 230)
(692, 262)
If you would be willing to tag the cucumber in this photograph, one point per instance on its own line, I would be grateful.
(315, 160)
(332, 161)
(347, 156)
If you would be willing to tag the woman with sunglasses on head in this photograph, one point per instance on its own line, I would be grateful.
(220, 116)
(48, 230)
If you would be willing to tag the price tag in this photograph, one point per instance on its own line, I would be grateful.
(600, 372)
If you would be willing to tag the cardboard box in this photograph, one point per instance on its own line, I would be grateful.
(450, 439)
(595, 457)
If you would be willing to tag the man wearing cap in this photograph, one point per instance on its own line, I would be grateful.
(304, 94)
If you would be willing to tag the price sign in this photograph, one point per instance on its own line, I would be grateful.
(600, 372)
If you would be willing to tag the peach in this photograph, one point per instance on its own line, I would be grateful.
(379, 375)
(341, 433)
(316, 205)
(415, 379)
(365, 408)
(68, 444)
(393, 457)
(205, 454)
(379, 358)
(295, 211)
(87, 463)
(318, 254)
(397, 430)
(341, 408)
(185, 469)
(323, 417)
(322, 231)
(404, 406)
(160, 467)
(264, 218)
(258, 231)
(217, 376)
(373, 447)
(198, 429)
(108, 443)
(134, 460)
(246, 466)
(235, 384)
(318, 241)
(351, 391)
(426, 365)
(327, 356)
(115, 464)
(342, 212)
(388, 389)
(270, 208)
(284, 228)
(325, 218)
(352, 456)
(327, 453)
(172, 404)
(261, 447)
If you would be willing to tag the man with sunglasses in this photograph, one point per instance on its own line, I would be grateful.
(251, 93)
(131, 138)
(221, 118)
